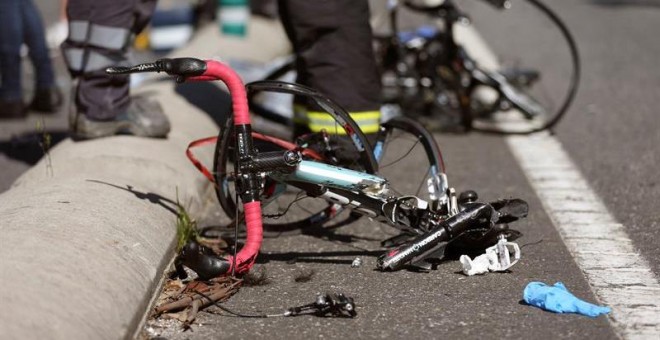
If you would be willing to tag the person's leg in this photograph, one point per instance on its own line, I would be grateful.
(35, 40)
(99, 32)
(100, 36)
(333, 44)
(47, 97)
(11, 38)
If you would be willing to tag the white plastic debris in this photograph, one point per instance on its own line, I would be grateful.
(356, 262)
(496, 259)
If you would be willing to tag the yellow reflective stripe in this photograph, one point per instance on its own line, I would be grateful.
(371, 128)
(365, 115)
(368, 121)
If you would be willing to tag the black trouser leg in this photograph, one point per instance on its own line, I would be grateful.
(333, 44)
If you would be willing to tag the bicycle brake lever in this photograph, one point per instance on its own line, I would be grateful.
(140, 68)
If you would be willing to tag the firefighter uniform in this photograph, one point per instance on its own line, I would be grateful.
(332, 40)
(100, 34)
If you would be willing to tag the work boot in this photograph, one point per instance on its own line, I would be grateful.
(143, 118)
(47, 100)
(12, 109)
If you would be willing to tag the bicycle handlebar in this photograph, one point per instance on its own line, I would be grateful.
(176, 66)
(186, 69)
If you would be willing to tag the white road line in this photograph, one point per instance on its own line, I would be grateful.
(619, 276)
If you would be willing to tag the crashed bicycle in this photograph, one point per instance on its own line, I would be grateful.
(252, 171)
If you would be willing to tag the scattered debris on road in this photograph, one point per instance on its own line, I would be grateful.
(496, 259)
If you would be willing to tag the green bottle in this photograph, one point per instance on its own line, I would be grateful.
(233, 16)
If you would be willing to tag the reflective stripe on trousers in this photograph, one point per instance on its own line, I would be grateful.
(94, 47)
(368, 121)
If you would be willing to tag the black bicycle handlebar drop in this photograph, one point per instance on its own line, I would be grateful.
(181, 67)
(201, 260)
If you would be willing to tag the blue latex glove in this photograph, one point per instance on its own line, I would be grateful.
(559, 300)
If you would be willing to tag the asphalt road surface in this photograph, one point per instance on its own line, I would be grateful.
(610, 133)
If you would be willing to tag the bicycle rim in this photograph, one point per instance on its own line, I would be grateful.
(562, 105)
(412, 161)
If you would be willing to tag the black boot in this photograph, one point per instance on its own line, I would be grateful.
(47, 100)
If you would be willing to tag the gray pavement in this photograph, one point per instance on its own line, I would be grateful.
(610, 133)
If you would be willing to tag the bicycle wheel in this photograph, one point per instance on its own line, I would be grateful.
(529, 48)
(293, 206)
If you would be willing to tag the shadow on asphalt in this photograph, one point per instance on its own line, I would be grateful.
(30, 147)
(313, 257)
(226, 232)
(208, 98)
(164, 202)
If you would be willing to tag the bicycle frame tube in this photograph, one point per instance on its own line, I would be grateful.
(333, 176)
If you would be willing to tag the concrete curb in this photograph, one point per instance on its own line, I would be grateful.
(88, 231)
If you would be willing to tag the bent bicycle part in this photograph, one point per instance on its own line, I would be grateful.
(185, 69)
(359, 141)
(475, 218)
(365, 193)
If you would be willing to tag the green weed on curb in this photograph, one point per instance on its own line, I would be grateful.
(186, 227)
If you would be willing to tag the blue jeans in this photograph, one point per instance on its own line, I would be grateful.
(20, 23)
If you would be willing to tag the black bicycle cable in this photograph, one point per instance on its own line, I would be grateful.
(217, 304)
(403, 156)
(299, 196)
(233, 265)
(321, 307)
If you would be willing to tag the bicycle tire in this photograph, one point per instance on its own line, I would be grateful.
(574, 79)
(223, 151)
